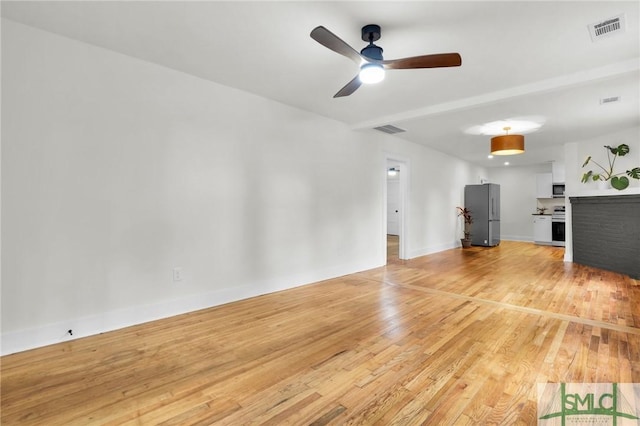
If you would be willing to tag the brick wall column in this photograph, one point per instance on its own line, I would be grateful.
(606, 232)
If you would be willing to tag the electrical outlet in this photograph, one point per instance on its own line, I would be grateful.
(177, 274)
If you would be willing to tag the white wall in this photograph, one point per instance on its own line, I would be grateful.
(436, 187)
(518, 199)
(595, 148)
(575, 155)
(518, 184)
(115, 171)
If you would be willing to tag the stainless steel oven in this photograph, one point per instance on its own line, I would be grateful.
(557, 226)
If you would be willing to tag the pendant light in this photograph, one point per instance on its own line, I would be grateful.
(507, 144)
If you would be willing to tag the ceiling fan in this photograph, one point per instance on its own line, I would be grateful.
(370, 60)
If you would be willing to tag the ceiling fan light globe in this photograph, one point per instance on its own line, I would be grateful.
(371, 73)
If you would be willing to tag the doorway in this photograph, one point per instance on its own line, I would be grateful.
(396, 172)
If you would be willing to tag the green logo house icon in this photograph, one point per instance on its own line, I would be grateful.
(588, 403)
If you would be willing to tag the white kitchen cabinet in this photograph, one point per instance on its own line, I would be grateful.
(544, 185)
(557, 171)
(542, 229)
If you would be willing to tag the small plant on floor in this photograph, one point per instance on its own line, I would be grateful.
(618, 180)
(468, 220)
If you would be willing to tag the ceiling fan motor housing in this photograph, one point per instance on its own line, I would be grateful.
(371, 33)
(372, 52)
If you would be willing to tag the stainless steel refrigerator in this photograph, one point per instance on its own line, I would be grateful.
(483, 201)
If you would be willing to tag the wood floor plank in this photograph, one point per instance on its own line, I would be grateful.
(457, 337)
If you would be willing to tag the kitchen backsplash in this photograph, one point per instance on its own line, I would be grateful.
(549, 203)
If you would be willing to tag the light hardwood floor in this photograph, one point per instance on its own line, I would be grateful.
(458, 337)
(393, 248)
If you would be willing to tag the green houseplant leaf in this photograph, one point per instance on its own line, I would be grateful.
(634, 173)
(590, 176)
(618, 180)
(620, 150)
(619, 183)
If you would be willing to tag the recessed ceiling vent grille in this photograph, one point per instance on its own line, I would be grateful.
(607, 28)
(390, 129)
(609, 100)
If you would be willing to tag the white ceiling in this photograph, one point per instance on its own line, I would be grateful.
(519, 59)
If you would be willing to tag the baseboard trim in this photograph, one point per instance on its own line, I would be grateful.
(433, 249)
(57, 332)
(518, 238)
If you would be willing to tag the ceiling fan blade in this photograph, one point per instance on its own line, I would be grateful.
(335, 43)
(349, 88)
(425, 61)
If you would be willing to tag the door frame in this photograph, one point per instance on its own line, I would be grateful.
(403, 225)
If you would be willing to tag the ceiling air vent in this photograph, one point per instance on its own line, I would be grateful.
(607, 28)
(390, 129)
(609, 100)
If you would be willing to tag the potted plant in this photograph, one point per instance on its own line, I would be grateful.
(618, 180)
(468, 220)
